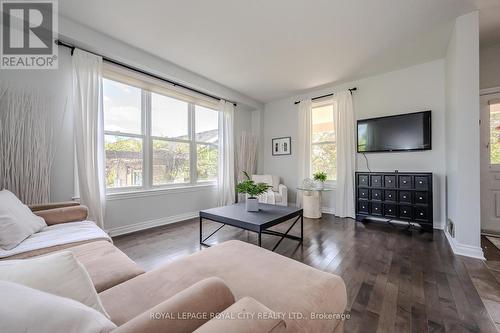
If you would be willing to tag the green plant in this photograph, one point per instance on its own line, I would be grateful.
(248, 186)
(320, 176)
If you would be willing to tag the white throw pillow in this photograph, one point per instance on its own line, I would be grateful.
(27, 310)
(58, 274)
(17, 221)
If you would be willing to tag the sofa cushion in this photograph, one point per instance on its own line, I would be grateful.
(106, 264)
(251, 317)
(203, 300)
(280, 283)
(58, 274)
(17, 222)
(25, 309)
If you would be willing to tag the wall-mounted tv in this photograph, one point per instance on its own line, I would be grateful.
(404, 132)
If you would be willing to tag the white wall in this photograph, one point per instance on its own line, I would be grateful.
(490, 66)
(123, 213)
(416, 88)
(462, 135)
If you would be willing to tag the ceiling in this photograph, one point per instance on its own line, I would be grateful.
(268, 49)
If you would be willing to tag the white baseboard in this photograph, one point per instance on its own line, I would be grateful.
(127, 229)
(328, 210)
(464, 250)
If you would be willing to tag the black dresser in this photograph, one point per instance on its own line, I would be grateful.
(395, 196)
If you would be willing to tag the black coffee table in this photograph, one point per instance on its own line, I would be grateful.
(267, 216)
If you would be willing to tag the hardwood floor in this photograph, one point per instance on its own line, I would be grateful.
(397, 281)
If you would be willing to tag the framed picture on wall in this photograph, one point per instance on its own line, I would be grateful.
(282, 146)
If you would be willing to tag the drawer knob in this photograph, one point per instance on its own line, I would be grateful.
(404, 211)
(390, 181)
(421, 214)
(420, 182)
(404, 196)
(404, 181)
(420, 198)
(390, 195)
(363, 207)
(390, 210)
(376, 208)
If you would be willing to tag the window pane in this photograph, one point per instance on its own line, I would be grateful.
(207, 124)
(123, 161)
(324, 158)
(322, 124)
(169, 117)
(495, 133)
(122, 107)
(207, 162)
(170, 162)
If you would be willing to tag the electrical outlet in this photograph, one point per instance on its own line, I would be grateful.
(450, 227)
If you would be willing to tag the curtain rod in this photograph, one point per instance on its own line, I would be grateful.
(328, 95)
(138, 70)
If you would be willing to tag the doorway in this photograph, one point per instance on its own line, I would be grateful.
(490, 163)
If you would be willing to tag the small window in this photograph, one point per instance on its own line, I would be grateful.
(495, 133)
(324, 146)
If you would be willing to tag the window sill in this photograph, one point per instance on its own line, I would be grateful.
(131, 194)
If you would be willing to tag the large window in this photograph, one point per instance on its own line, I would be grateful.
(324, 146)
(156, 139)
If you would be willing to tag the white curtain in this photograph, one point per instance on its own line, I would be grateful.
(344, 124)
(304, 144)
(226, 186)
(89, 132)
(246, 156)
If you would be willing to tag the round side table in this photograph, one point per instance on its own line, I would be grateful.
(311, 201)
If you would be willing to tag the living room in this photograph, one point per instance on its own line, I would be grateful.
(307, 166)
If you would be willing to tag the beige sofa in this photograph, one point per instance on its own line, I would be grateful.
(232, 278)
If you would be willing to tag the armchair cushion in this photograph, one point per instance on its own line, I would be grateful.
(245, 316)
(270, 180)
(203, 299)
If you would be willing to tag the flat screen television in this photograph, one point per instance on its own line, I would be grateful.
(405, 132)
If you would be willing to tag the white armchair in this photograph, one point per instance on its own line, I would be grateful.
(277, 194)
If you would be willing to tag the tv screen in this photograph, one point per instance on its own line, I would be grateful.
(404, 132)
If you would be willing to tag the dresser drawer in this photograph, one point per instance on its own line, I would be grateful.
(405, 212)
(390, 181)
(390, 195)
(363, 180)
(422, 183)
(376, 195)
(405, 182)
(390, 210)
(405, 196)
(376, 180)
(421, 197)
(363, 207)
(376, 208)
(363, 193)
(421, 213)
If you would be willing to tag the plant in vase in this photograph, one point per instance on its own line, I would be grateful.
(320, 178)
(252, 190)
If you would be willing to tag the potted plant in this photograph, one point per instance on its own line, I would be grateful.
(252, 190)
(320, 178)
